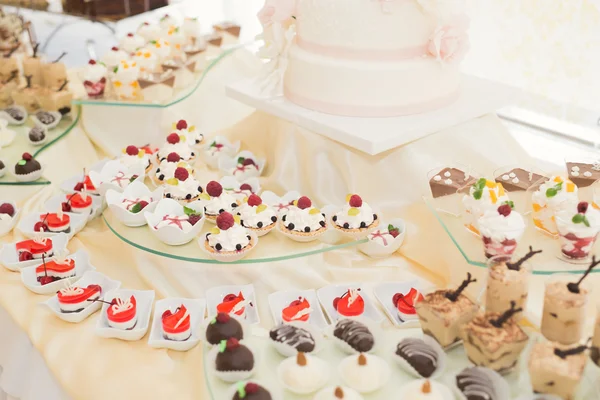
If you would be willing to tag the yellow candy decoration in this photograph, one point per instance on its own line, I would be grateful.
(182, 138)
(260, 208)
(237, 219)
(314, 211)
(192, 128)
(215, 231)
(296, 203)
(141, 154)
(348, 198)
(173, 181)
(204, 196)
(353, 212)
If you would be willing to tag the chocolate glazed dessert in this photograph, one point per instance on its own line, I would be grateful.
(298, 338)
(518, 179)
(448, 181)
(475, 384)
(421, 356)
(223, 327)
(355, 334)
(233, 356)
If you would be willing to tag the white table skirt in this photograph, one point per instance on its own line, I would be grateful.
(23, 372)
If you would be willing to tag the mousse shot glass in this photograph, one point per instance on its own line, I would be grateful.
(578, 229)
(501, 230)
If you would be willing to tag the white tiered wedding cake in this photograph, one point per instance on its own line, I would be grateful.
(365, 58)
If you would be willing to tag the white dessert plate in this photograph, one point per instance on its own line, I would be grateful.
(328, 293)
(7, 225)
(375, 248)
(384, 293)
(231, 186)
(68, 186)
(280, 203)
(89, 278)
(227, 258)
(214, 297)
(29, 276)
(112, 168)
(384, 373)
(28, 221)
(282, 299)
(196, 308)
(228, 149)
(144, 301)
(305, 388)
(228, 165)
(172, 235)
(10, 258)
(133, 193)
(54, 203)
(275, 392)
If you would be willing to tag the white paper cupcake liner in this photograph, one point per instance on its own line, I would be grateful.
(229, 257)
(305, 389)
(275, 393)
(57, 117)
(499, 384)
(263, 231)
(441, 360)
(345, 347)
(289, 351)
(383, 367)
(30, 177)
(299, 237)
(231, 376)
(10, 119)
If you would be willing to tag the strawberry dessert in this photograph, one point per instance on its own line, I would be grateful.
(34, 249)
(177, 324)
(578, 229)
(356, 216)
(257, 216)
(351, 304)
(122, 313)
(133, 155)
(245, 168)
(176, 144)
(86, 185)
(53, 222)
(229, 237)
(405, 304)
(297, 310)
(233, 304)
(302, 219)
(501, 230)
(217, 201)
(166, 168)
(58, 268)
(73, 299)
(183, 186)
(79, 203)
(94, 79)
(193, 135)
(384, 237)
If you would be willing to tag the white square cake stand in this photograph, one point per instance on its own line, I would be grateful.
(375, 135)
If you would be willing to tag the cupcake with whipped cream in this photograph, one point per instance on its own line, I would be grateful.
(132, 155)
(256, 216)
(356, 217)
(114, 57)
(131, 42)
(149, 31)
(217, 201)
(147, 60)
(193, 135)
(501, 230)
(93, 77)
(166, 168)
(303, 220)
(182, 187)
(484, 195)
(176, 144)
(161, 47)
(553, 196)
(229, 237)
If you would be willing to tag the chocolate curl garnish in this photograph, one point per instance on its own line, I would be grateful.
(453, 296)
(35, 50)
(100, 301)
(63, 86)
(13, 75)
(64, 53)
(508, 314)
(516, 266)
(339, 393)
(574, 287)
(301, 359)
(10, 53)
(28, 78)
(572, 352)
(44, 261)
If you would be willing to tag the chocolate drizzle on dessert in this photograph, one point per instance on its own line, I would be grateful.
(475, 384)
(516, 266)
(453, 296)
(12, 76)
(298, 338)
(421, 356)
(572, 352)
(574, 287)
(63, 86)
(355, 334)
(508, 314)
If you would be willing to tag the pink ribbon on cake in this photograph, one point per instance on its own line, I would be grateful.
(406, 53)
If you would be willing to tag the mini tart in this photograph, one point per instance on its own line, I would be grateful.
(166, 170)
(80, 204)
(184, 191)
(182, 149)
(177, 325)
(56, 270)
(303, 234)
(232, 206)
(58, 224)
(74, 299)
(36, 247)
(253, 212)
(367, 229)
(122, 314)
(215, 251)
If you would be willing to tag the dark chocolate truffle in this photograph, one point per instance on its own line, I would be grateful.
(251, 391)
(223, 327)
(298, 338)
(475, 384)
(27, 165)
(595, 353)
(421, 356)
(234, 356)
(45, 117)
(16, 113)
(2, 166)
(37, 134)
(356, 334)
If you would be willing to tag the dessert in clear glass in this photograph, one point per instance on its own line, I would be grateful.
(578, 228)
(501, 231)
(508, 282)
(550, 197)
(484, 195)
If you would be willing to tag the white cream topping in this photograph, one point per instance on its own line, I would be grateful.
(230, 238)
(564, 220)
(183, 188)
(251, 217)
(149, 32)
(129, 161)
(365, 214)
(146, 59)
(114, 58)
(161, 48)
(223, 202)
(168, 168)
(562, 198)
(498, 227)
(94, 72)
(181, 148)
(302, 219)
(131, 43)
(485, 203)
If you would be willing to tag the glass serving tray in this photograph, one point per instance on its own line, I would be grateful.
(12, 153)
(271, 247)
(447, 211)
(268, 360)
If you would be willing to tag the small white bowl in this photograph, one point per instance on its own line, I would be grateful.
(136, 190)
(231, 186)
(228, 258)
(172, 235)
(6, 226)
(11, 121)
(144, 300)
(383, 367)
(305, 389)
(57, 117)
(89, 278)
(10, 258)
(29, 277)
(196, 308)
(101, 180)
(281, 204)
(68, 186)
(228, 150)
(7, 136)
(227, 165)
(376, 249)
(55, 203)
(27, 223)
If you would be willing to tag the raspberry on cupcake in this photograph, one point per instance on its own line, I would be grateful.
(132, 155)
(257, 216)
(303, 220)
(193, 135)
(167, 167)
(216, 201)
(183, 186)
(176, 144)
(229, 237)
(356, 217)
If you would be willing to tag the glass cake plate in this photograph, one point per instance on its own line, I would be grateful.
(271, 247)
(268, 360)
(12, 153)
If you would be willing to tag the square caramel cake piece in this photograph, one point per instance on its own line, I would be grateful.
(494, 340)
(448, 181)
(518, 179)
(583, 174)
(443, 312)
(556, 369)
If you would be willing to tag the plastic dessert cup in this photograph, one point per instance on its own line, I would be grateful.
(549, 198)
(499, 241)
(576, 240)
(505, 285)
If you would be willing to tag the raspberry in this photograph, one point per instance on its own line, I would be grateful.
(173, 157)
(223, 318)
(232, 343)
(245, 186)
(181, 173)
(582, 207)
(27, 156)
(7, 208)
(132, 150)
(143, 204)
(304, 202)
(504, 210)
(355, 201)
(92, 62)
(193, 219)
(225, 221)
(397, 298)
(114, 48)
(254, 200)
(25, 256)
(251, 388)
(182, 124)
(173, 138)
(130, 34)
(214, 189)
(248, 161)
